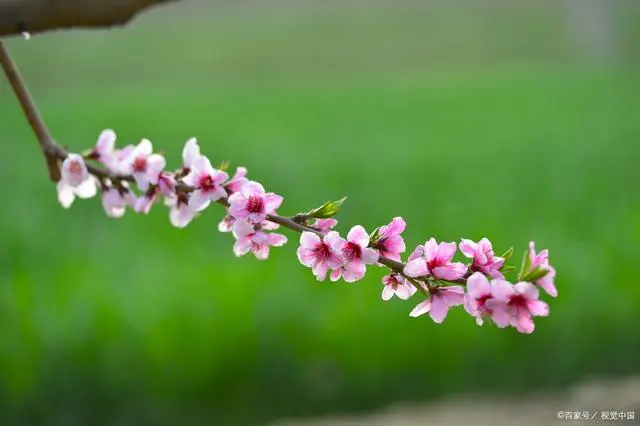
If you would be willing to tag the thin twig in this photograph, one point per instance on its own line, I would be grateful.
(48, 146)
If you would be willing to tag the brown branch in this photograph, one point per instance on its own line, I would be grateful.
(34, 16)
(47, 144)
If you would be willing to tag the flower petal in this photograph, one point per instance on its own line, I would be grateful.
(523, 322)
(499, 312)
(309, 240)
(181, 216)
(88, 188)
(320, 271)
(65, 194)
(450, 272)
(354, 272)
(272, 202)
(276, 240)
(538, 308)
(502, 290)
(336, 274)
(144, 148)
(453, 295)
(387, 293)
(446, 251)
(242, 246)
(467, 247)
(478, 285)
(335, 241)
(358, 235)
(430, 249)
(199, 200)
(439, 308)
(421, 309)
(243, 229)
(417, 253)
(471, 305)
(416, 268)
(261, 251)
(252, 188)
(106, 143)
(190, 152)
(202, 165)
(306, 257)
(155, 165)
(528, 290)
(403, 292)
(369, 256)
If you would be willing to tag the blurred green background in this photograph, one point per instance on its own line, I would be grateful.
(505, 119)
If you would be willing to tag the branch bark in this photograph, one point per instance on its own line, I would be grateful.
(49, 147)
(34, 16)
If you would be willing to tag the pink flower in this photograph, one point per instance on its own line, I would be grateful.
(237, 182)
(397, 284)
(542, 260)
(252, 203)
(389, 242)
(166, 184)
(435, 261)
(104, 149)
(226, 224)
(208, 183)
(143, 204)
(317, 254)
(180, 214)
(324, 225)
(115, 163)
(250, 237)
(442, 298)
(116, 200)
(516, 305)
(190, 153)
(75, 181)
(479, 292)
(354, 252)
(143, 165)
(483, 258)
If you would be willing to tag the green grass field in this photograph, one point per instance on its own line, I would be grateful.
(131, 321)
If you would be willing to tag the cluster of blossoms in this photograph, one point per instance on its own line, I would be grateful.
(478, 285)
(186, 191)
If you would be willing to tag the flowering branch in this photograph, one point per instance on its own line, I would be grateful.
(480, 285)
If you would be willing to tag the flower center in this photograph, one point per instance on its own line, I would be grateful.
(321, 252)
(140, 164)
(351, 251)
(255, 204)
(206, 182)
(482, 303)
(394, 282)
(75, 168)
(518, 301)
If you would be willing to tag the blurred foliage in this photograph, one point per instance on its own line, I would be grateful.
(467, 121)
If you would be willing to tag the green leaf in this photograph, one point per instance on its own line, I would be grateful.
(507, 254)
(327, 210)
(508, 268)
(537, 273)
(525, 266)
